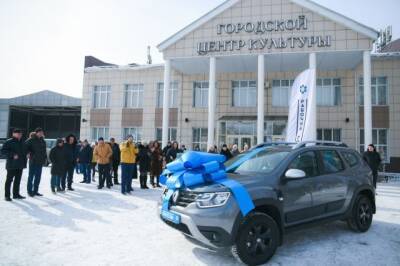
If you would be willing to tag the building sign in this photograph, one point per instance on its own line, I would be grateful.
(261, 28)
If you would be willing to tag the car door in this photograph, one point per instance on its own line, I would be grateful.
(297, 196)
(330, 187)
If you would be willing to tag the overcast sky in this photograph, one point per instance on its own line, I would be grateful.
(43, 42)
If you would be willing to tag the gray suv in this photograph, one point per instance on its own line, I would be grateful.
(291, 185)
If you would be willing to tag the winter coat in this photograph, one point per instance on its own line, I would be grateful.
(36, 148)
(85, 154)
(71, 154)
(144, 159)
(373, 159)
(227, 154)
(57, 159)
(116, 158)
(128, 152)
(234, 152)
(165, 150)
(172, 154)
(103, 153)
(11, 148)
(156, 162)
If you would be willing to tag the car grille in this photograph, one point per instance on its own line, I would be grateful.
(185, 198)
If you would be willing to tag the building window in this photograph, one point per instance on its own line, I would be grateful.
(328, 92)
(136, 133)
(173, 95)
(171, 134)
(329, 134)
(200, 94)
(199, 138)
(378, 90)
(274, 130)
(244, 93)
(380, 141)
(133, 96)
(281, 92)
(98, 132)
(101, 97)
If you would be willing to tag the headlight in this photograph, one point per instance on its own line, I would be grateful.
(210, 200)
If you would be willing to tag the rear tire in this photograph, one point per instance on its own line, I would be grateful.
(257, 239)
(361, 215)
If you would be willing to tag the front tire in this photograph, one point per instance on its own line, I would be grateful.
(361, 215)
(257, 239)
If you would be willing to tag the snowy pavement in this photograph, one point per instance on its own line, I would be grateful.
(92, 227)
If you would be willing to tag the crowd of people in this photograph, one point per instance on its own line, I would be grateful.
(70, 156)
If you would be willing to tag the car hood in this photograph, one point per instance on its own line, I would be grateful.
(249, 181)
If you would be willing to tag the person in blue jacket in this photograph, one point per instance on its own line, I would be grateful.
(85, 156)
(57, 159)
(14, 150)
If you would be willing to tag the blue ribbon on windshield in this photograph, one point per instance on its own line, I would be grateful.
(197, 168)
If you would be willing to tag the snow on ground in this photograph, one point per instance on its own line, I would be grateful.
(92, 227)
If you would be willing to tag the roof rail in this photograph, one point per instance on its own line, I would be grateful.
(276, 143)
(319, 142)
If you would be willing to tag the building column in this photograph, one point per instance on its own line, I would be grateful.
(165, 120)
(313, 65)
(367, 99)
(260, 99)
(211, 103)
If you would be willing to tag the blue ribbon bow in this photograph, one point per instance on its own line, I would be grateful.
(196, 168)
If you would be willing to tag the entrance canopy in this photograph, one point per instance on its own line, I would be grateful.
(332, 60)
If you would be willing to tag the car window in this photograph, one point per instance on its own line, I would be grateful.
(331, 162)
(350, 158)
(307, 162)
(264, 161)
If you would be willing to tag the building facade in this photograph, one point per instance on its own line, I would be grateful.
(227, 79)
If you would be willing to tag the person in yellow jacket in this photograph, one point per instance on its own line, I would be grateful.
(129, 152)
(103, 154)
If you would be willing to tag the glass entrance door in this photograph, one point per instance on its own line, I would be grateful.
(240, 141)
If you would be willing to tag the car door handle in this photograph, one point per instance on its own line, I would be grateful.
(320, 187)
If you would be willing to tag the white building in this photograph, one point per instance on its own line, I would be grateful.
(228, 76)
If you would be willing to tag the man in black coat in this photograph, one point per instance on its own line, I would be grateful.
(14, 150)
(85, 156)
(373, 159)
(57, 159)
(36, 149)
(144, 164)
(116, 159)
(71, 157)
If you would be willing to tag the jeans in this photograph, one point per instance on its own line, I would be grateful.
(85, 169)
(104, 175)
(13, 176)
(68, 176)
(34, 175)
(55, 181)
(126, 176)
(78, 168)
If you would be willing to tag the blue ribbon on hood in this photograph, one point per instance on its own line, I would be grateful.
(196, 168)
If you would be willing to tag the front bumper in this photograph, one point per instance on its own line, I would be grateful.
(212, 227)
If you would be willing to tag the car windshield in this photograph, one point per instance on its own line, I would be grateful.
(262, 161)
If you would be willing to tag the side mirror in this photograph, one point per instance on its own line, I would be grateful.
(295, 174)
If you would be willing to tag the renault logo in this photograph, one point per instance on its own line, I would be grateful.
(175, 196)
